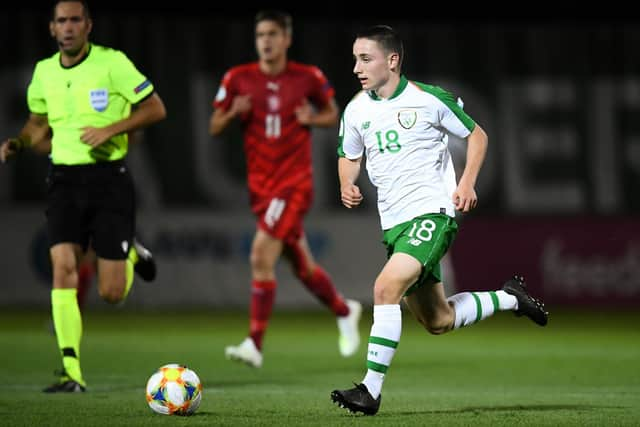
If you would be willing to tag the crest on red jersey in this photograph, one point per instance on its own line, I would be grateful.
(273, 103)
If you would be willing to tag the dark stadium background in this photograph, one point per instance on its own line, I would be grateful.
(557, 88)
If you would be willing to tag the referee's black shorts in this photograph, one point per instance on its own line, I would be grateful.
(94, 204)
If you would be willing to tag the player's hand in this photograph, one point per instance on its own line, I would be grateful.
(304, 113)
(350, 196)
(465, 198)
(95, 136)
(8, 148)
(241, 104)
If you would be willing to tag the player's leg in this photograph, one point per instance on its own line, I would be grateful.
(439, 314)
(114, 224)
(117, 262)
(114, 281)
(414, 248)
(265, 251)
(314, 277)
(142, 260)
(319, 283)
(66, 227)
(66, 315)
(395, 278)
(86, 274)
(448, 274)
(430, 307)
(113, 245)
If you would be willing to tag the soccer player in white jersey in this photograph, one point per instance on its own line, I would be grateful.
(401, 127)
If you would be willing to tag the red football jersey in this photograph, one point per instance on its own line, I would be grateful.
(277, 147)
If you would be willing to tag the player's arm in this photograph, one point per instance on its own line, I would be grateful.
(219, 121)
(145, 113)
(465, 197)
(327, 116)
(348, 171)
(43, 147)
(35, 131)
(220, 118)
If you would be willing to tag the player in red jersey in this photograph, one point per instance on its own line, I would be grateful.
(277, 102)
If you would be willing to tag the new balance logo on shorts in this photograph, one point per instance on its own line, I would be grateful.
(415, 242)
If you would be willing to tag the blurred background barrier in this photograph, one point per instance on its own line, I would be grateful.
(569, 261)
(202, 259)
(557, 194)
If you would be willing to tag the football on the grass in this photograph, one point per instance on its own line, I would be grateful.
(174, 390)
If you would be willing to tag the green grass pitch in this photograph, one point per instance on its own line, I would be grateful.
(583, 369)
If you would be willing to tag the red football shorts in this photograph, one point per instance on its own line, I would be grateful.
(282, 217)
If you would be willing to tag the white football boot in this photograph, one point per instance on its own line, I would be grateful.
(246, 352)
(348, 326)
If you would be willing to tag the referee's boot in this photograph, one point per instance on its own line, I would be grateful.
(146, 265)
(65, 384)
(527, 305)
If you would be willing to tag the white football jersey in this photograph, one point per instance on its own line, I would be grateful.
(404, 139)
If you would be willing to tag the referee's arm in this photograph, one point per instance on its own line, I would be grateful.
(148, 111)
(35, 130)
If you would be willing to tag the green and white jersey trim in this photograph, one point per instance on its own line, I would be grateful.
(405, 141)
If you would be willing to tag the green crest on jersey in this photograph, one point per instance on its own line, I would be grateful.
(365, 125)
(407, 118)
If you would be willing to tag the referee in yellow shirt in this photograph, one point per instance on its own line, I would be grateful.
(84, 95)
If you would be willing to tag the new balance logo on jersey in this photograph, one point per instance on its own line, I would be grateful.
(273, 86)
(415, 242)
(366, 125)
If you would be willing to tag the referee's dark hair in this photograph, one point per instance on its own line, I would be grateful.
(85, 8)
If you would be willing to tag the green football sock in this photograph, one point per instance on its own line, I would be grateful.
(68, 325)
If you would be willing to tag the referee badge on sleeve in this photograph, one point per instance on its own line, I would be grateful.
(99, 99)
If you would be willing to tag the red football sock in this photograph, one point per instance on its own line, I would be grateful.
(86, 273)
(320, 284)
(262, 297)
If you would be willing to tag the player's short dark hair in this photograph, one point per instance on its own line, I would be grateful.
(386, 37)
(85, 8)
(282, 19)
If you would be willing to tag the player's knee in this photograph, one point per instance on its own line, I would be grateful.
(112, 294)
(386, 293)
(303, 271)
(258, 261)
(63, 272)
(436, 329)
(439, 324)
